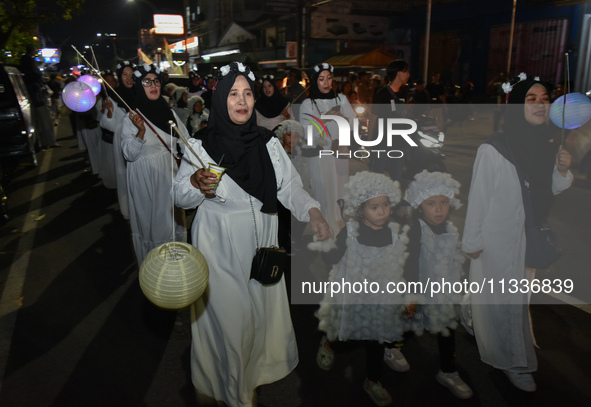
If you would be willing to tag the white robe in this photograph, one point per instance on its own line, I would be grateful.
(92, 136)
(106, 154)
(150, 169)
(272, 122)
(326, 181)
(242, 331)
(495, 223)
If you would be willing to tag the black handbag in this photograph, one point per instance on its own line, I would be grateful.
(541, 242)
(268, 263)
(107, 136)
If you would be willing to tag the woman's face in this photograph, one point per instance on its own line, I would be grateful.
(240, 101)
(268, 89)
(325, 81)
(347, 87)
(537, 105)
(152, 86)
(376, 212)
(198, 107)
(127, 77)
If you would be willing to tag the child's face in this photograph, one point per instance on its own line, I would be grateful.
(198, 107)
(376, 212)
(435, 209)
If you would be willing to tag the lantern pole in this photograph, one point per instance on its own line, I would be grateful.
(564, 91)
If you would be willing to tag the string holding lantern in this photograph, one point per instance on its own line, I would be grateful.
(91, 81)
(174, 275)
(577, 110)
(78, 96)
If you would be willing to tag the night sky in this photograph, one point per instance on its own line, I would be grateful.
(106, 16)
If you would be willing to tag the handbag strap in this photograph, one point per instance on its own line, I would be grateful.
(525, 195)
(256, 235)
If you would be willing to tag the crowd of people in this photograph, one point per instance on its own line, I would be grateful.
(259, 132)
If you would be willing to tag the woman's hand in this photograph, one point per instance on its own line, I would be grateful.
(285, 113)
(475, 255)
(319, 225)
(107, 104)
(137, 121)
(204, 180)
(563, 161)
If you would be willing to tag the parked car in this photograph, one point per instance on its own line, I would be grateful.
(17, 135)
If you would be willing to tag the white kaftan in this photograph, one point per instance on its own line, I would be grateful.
(495, 223)
(272, 122)
(106, 155)
(91, 134)
(242, 331)
(324, 176)
(149, 182)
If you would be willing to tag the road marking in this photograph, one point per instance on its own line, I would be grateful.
(11, 299)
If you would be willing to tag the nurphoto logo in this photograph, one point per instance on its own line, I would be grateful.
(391, 129)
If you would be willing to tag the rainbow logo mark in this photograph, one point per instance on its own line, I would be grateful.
(317, 123)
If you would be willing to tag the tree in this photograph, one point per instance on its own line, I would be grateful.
(19, 19)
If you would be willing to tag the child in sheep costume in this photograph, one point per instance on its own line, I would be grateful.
(434, 256)
(370, 250)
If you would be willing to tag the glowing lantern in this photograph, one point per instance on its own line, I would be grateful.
(91, 81)
(174, 275)
(78, 96)
(577, 110)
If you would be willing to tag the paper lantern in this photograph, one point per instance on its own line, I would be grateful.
(577, 110)
(91, 81)
(78, 96)
(174, 275)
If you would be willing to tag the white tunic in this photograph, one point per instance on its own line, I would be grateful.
(272, 122)
(150, 168)
(495, 223)
(92, 136)
(242, 331)
(107, 170)
(324, 178)
(115, 124)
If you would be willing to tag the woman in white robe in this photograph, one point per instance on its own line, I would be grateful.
(242, 331)
(271, 107)
(328, 175)
(494, 232)
(151, 166)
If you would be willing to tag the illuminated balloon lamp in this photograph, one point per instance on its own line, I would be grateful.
(91, 81)
(577, 110)
(78, 96)
(174, 275)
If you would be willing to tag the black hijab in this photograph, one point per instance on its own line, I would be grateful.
(315, 92)
(271, 106)
(157, 111)
(126, 95)
(243, 147)
(533, 147)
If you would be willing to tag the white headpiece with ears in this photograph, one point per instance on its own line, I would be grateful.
(427, 184)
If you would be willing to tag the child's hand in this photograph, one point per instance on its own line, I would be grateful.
(475, 255)
(410, 310)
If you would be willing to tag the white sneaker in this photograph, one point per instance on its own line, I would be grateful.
(455, 384)
(396, 360)
(523, 381)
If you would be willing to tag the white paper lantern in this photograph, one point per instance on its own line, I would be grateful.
(91, 81)
(78, 96)
(174, 275)
(577, 110)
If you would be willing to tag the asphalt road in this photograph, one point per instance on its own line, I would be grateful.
(75, 329)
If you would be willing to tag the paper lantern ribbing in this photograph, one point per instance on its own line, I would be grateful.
(78, 96)
(174, 275)
(577, 110)
(91, 81)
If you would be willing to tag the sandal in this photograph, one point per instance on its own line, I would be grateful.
(324, 357)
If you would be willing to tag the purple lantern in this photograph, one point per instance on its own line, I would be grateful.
(78, 96)
(577, 110)
(91, 81)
